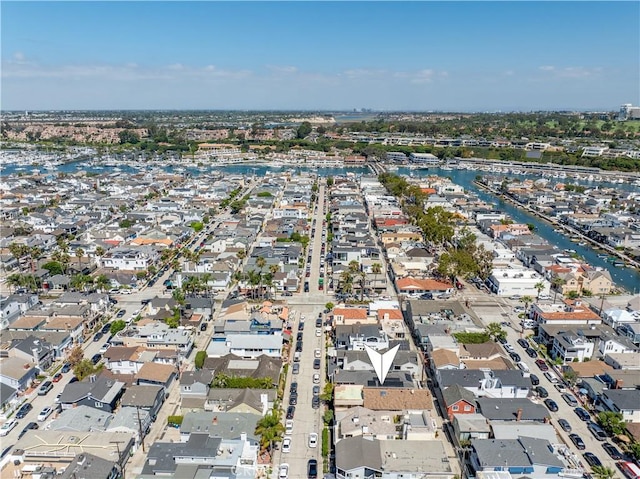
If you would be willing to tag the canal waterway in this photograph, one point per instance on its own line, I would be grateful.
(627, 278)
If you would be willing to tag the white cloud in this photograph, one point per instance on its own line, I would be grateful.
(282, 69)
(547, 68)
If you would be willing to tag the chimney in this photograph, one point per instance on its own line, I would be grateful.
(92, 378)
(618, 384)
(519, 415)
(81, 459)
(215, 420)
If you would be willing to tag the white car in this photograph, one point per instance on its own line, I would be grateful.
(316, 353)
(288, 426)
(544, 296)
(318, 333)
(57, 400)
(44, 414)
(283, 472)
(286, 444)
(313, 439)
(8, 426)
(104, 348)
(316, 379)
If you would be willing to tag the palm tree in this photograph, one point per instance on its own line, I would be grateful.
(603, 472)
(346, 281)
(261, 263)
(15, 280)
(376, 269)
(362, 280)
(34, 253)
(270, 429)
(273, 269)
(102, 283)
(204, 280)
(79, 254)
(242, 254)
(526, 300)
(18, 251)
(63, 258)
(254, 279)
(539, 287)
(557, 282)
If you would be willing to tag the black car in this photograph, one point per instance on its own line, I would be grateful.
(299, 347)
(73, 380)
(24, 410)
(502, 340)
(291, 410)
(316, 363)
(315, 402)
(97, 337)
(592, 459)
(534, 379)
(523, 342)
(66, 368)
(293, 399)
(319, 323)
(582, 414)
(564, 424)
(551, 405)
(316, 390)
(299, 337)
(95, 359)
(577, 440)
(531, 353)
(121, 313)
(542, 392)
(312, 469)
(293, 388)
(106, 328)
(31, 425)
(516, 357)
(301, 326)
(612, 451)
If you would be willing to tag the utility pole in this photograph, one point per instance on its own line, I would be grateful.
(140, 428)
(122, 466)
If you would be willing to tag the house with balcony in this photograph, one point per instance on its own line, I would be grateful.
(512, 281)
(570, 312)
(571, 347)
(17, 373)
(356, 336)
(623, 401)
(486, 383)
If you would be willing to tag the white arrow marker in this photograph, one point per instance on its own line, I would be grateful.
(381, 362)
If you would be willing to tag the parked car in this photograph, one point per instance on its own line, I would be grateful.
(288, 426)
(577, 440)
(44, 414)
(296, 368)
(613, 451)
(316, 363)
(57, 377)
(570, 399)
(31, 425)
(541, 363)
(318, 322)
(283, 471)
(97, 337)
(286, 444)
(95, 359)
(106, 328)
(531, 353)
(66, 368)
(293, 389)
(45, 387)
(313, 439)
(582, 414)
(312, 469)
(316, 379)
(534, 379)
(316, 390)
(293, 399)
(564, 424)
(597, 431)
(516, 357)
(523, 342)
(551, 405)
(8, 426)
(291, 410)
(592, 459)
(315, 402)
(121, 313)
(542, 392)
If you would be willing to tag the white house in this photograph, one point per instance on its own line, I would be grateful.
(570, 346)
(511, 281)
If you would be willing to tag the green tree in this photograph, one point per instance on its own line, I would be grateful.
(197, 226)
(54, 267)
(261, 263)
(603, 472)
(84, 368)
(557, 283)
(527, 300)
(539, 287)
(173, 321)
(117, 326)
(102, 283)
(611, 422)
(270, 429)
(329, 306)
(327, 393)
(128, 136)
(304, 129)
(495, 331)
(199, 359)
(376, 269)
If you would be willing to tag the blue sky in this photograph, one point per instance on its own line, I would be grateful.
(455, 56)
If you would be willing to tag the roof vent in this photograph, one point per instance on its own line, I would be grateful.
(81, 459)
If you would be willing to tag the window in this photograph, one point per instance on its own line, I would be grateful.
(467, 407)
(455, 407)
(98, 404)
(187, 388)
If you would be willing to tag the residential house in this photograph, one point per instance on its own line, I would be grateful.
(157, 374)
(458, 400)
(96, 391)
(146, 397)
(194, 387)
(17, 373)
(623, 401)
